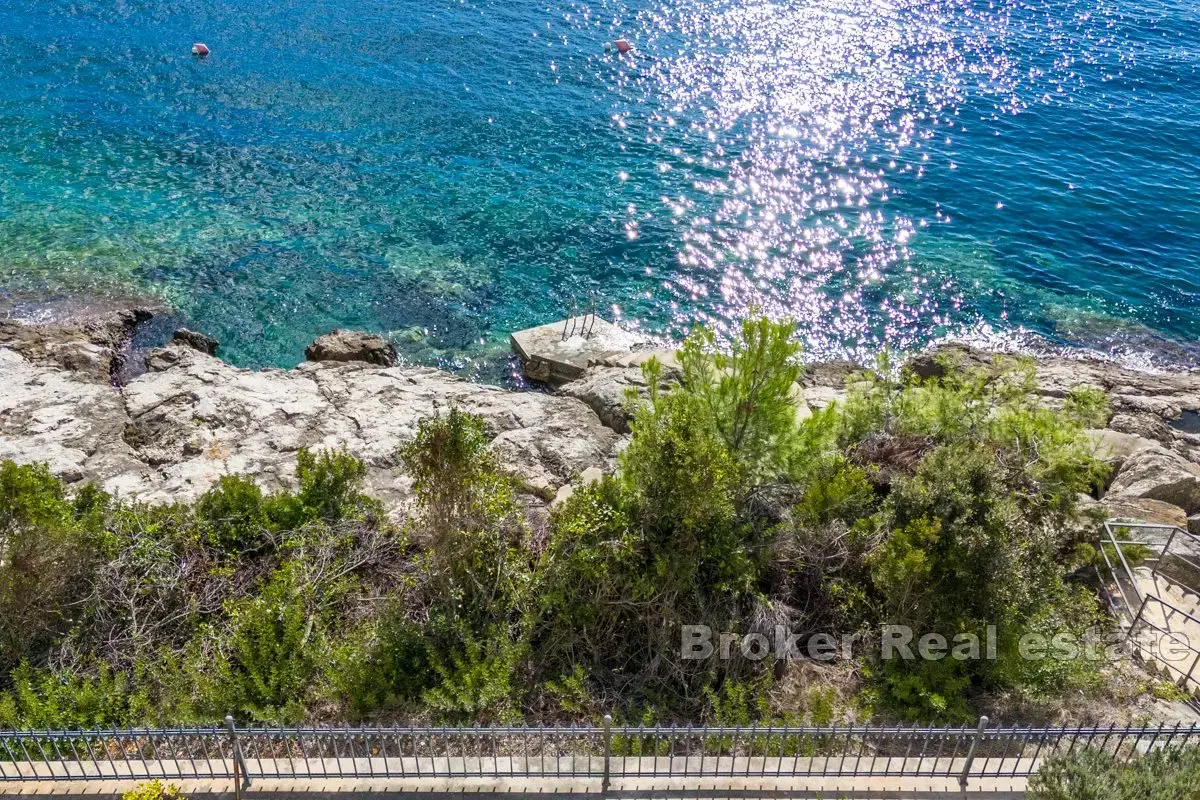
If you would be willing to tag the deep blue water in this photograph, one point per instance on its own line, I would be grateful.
(884, 171)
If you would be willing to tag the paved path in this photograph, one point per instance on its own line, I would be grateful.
(642, 788)
(632, 777)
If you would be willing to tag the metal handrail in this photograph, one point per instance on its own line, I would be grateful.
(1139, 619)
(602, 752)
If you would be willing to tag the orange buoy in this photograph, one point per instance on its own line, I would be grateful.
(623, 45)
(200, 49)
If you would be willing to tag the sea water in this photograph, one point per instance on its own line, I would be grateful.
(884, 172)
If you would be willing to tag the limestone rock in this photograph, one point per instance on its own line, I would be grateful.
(1139, 403)
(1114, 447)
(667, 359)
(72, 421)
(820, 397)
(1159, 474)
(831, 374)
(344, 345)
(173, 431)
(92, 347)
(538, 370)
(1138, 509)
(1147, 426)
(604, 390)
(563, 351)
(565, 492)
(934, 362)
(197, 341)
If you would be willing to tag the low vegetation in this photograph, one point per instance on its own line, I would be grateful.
(946, 504)
(154, 790)
(1163, 774)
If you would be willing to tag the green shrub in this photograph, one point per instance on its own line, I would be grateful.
(685, 484)
(155, 790)
(45, 552)
(386, 665)
(476, 575)
(748, 395)
(330, 490)
(331, 483)
(1088, 406)
(272, 655)
(672, 540)
(478, 676)
(449, 461)
(1087, 774)
(977, 528)
(232, 514)
(835, 489)
(948, 504)
(740, 703)
(231, 599)
(923, 689)
(58, 700)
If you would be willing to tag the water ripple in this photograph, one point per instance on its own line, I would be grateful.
(884, 171)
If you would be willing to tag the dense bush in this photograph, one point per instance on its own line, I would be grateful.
(174, 613)
(44, 555)
(1087, 774)
(56, 700)
(672, 540)
(454, 639)
(978, 527)
(947, 504)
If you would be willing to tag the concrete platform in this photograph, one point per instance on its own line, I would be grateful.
(860, 788)
(561, 351)
(562, 777)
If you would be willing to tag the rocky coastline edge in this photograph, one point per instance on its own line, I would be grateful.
(165, 424)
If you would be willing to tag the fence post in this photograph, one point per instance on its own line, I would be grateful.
(1163, 554)
(1137, 618)
(241, 778)
(607, 752)
(966, 771)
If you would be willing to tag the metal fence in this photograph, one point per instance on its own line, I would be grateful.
(604, 753)
(1150, 618)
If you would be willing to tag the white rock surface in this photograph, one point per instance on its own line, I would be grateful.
(1158, 474)
(170, 433)
(1115, 447)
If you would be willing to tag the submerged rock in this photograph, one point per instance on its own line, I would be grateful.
(344, 345)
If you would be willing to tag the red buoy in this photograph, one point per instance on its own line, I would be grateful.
(200, 49)
(623, 45)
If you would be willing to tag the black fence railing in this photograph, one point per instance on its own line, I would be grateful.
(604, 752)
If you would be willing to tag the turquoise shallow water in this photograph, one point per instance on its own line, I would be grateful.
(884, 171)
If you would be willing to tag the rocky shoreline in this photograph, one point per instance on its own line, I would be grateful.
(164, 425)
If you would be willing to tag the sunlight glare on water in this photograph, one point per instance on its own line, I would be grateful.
(787, 121)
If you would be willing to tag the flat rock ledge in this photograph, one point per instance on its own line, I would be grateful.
(170, 433)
